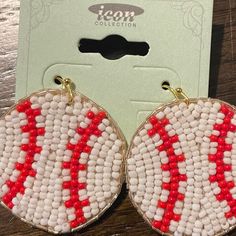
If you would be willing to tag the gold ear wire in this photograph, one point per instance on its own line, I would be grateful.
(67, 85)
(178, 93)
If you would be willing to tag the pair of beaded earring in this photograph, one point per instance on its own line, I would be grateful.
(62, 162)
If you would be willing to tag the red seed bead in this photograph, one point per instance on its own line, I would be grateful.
(22, 190)
(220, 169)
(92, 126)
(174, 179)
(74, 183)
(161, 204)
(234, 209)
(224, 109)
(180, 197)
(101, 115)
(19, 166)
(183, 177)
(6, 199)
(66, 185)
(170, 151)
(97, 132)
(33, 132)
(223, 133)
(174, 186)
(84, 138)
(166, 221)
(228, 147)
(20, 108)
(162, 132)
(66, 165)
(81, 220)
(174, 172)
(173, 165)
(151, 132)
(231, 203)
(176, 217)
(31, 146)
(153, 120)
(171, 200)
(212, 158)
(222, 184)
(41, 131)
(170, 207)
(29, 112)
(228, 215)
(10, 205)
(90, 115)
(224, 191)
(212, 178)
(230, 184)
(82, 185)
(173, 158)
(70, 146)
(220, 197)
(156, 224)
(219, 162)
(166, 186)
(227, 121)
(228, 197)
(221, 148)
(76, 153)
(232, 128)
(68, 204)
(157, 126)
(74, 198)
(9, 183)
(173, 193)
(165, 138)
(37, 112)
(74, 168)
(77, 205)
(24, 147)
(32, 125)
(217, 127)
(161, 148)
(74, 224)
(165, 122)
(165, 167)
(96, 120)
(79, 213)
(219, 155)
(221, 141)
(174, 139)
(74, 175)
(164, 228)
(85, 203)
(220, 177)
(80, 131)
(74, 191)
(213, 138)
(25, 128)
(167, 144)
(32, 173)
(225, 127)
(228, 167)
(87, 149)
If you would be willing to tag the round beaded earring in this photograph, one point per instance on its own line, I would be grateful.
(61, 160)
(181, 167)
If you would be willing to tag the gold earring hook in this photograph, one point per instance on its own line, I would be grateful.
(67, 85)
(178, 93)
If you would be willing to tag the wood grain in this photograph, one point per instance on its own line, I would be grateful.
(122, 219)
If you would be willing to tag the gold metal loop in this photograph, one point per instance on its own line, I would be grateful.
(67, 85)
(178, 93)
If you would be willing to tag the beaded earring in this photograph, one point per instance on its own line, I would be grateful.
(61, 160)
(181, 167)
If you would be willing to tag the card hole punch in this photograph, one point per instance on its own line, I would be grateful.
(113, 47)
(165, 84)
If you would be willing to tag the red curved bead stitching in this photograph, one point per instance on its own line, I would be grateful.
(175, 176)
(31, 149)
(81, 147)
(221, 167)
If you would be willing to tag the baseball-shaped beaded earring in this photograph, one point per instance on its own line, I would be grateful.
(181, 167)
(61, 160)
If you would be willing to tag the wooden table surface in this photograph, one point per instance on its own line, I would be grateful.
(121, 219)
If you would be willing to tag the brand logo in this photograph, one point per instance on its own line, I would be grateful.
(114, 14)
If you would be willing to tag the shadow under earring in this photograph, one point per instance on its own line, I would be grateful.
(181, 167)
(61, 160)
